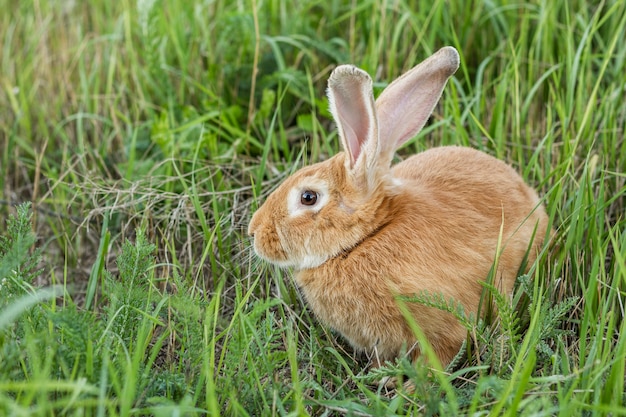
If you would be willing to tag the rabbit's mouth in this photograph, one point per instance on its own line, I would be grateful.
(268, 246)
(306, 262)
(276, 250)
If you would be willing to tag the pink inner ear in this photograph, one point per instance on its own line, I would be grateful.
(397, 125)
(352, 104)
(406, 104)
(354, 137)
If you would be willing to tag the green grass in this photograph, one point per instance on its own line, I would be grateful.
(146, 133)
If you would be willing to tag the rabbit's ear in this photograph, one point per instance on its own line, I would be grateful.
(352, 105)
(406, 104)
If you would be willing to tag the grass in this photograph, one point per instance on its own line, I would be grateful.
(145, 133)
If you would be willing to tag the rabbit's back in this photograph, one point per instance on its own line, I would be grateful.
(480, 197)
(473, 174)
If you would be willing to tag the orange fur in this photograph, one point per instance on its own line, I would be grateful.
(431, 223)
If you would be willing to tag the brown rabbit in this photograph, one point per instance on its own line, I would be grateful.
(359, 233)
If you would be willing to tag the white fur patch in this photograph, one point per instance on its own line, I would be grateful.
(309, 261)
(295, 206)
(397, 182)
(312, 261)
(282, 264)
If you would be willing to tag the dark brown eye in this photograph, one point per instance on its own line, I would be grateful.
(308, 198)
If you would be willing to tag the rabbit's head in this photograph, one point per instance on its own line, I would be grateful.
(325, 209)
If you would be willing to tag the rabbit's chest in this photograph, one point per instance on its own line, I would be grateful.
(365, 315)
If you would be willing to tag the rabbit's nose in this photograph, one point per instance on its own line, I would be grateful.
(252, 227)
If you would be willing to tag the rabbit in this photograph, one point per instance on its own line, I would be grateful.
(358, 232)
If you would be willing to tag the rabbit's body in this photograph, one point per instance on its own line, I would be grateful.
(430, 199)
(360, 233)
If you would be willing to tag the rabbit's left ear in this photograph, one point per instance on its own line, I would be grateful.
(407, 103)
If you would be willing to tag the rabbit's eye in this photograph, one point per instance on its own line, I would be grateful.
(308, 198)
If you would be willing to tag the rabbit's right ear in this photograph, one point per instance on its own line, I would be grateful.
(352, 105)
